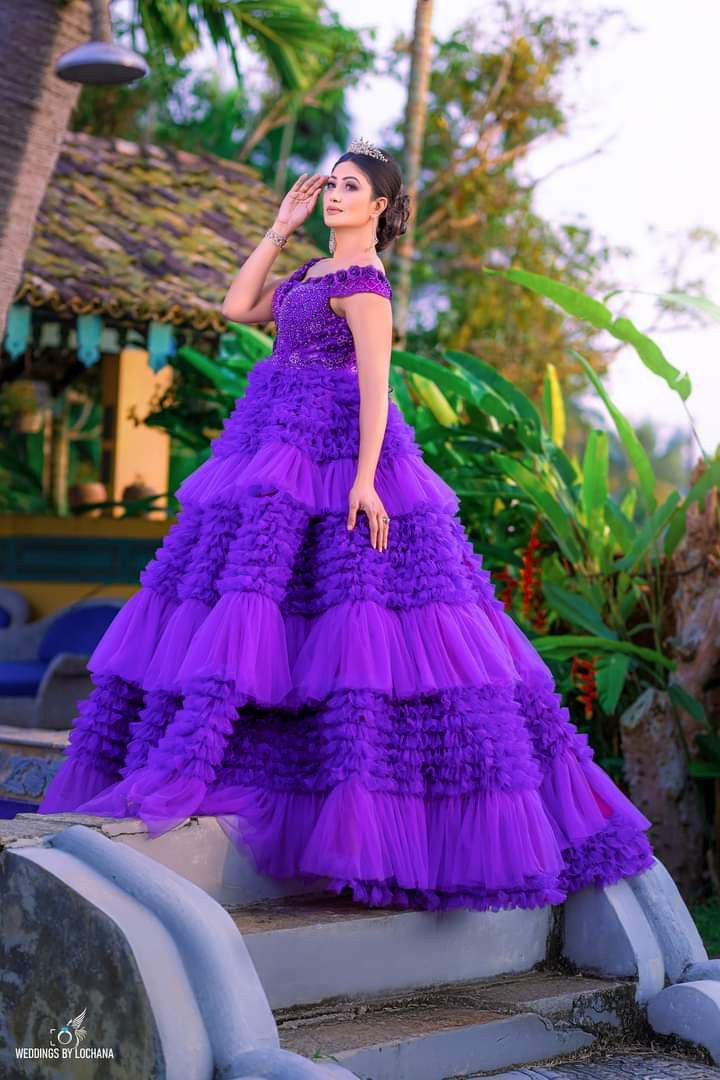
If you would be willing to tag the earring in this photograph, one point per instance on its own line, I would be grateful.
(374, 236)
(331, 242)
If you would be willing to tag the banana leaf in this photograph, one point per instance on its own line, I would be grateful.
(565, 645)
(694, 303)
(645, 538)
(622, 529)
(698, 303)
(401, 393)
(575, 609)
(584, 307)
(562, 464)
(709, 745)
(704, 770)
(610, 675)
(448, 381)
(545, 501)
(253, 342)
(686, 701)
(217, 375)
(594, 494)
(487, 380)
(633, 446)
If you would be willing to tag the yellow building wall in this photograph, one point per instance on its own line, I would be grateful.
(133, 453)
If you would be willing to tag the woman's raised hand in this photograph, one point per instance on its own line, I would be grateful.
(300, 200)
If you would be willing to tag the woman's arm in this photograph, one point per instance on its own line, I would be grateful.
(369, 317)
(249, 298)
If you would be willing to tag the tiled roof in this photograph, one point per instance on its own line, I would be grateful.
(146, 232)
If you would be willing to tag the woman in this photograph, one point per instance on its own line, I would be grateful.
(316, 655)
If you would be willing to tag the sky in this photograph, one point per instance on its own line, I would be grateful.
(646, 99)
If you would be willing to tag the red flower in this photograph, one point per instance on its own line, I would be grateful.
(509, 584)
(532, 604)
(583, 673)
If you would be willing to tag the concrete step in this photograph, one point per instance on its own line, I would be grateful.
(313, 947)
(473, 1027)
(631, 1065)
(196, 848)
(309, 945)
(396, 994)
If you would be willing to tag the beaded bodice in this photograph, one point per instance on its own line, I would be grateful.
(308, 330)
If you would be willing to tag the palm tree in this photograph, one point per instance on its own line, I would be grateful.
(36, 104)
(415, 111)
(287, 36)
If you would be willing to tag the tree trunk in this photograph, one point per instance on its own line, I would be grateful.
(414, 134)
(656, 771)
(35, 106)
(657, 737)
(694, 627)
(286, 142)
(695, 608)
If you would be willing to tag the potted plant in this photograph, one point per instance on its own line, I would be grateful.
(23, 404)
(86, 494)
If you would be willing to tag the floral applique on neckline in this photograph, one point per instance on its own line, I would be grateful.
(337, 275)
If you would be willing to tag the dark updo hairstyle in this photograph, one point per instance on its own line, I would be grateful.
(385, 180)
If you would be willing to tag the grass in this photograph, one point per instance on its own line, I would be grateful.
(707, 919)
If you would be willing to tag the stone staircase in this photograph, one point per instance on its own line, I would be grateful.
(390, 995)
(282, 981)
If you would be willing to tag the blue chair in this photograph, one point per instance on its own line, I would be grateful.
(14, 608)
(43, 666)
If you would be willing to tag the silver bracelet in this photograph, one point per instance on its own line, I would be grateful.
(276, 237)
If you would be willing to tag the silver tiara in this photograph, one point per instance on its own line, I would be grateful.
(362, 146)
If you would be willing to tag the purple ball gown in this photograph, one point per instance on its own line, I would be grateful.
(374, 718)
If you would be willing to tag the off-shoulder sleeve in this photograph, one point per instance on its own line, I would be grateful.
(357, 279)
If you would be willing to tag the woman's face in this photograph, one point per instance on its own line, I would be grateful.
(347, 197)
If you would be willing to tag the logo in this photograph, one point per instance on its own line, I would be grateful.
(65, 1044)
(70, 1031)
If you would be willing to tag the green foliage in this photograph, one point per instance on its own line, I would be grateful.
(707, 919)
(22, 452)
(288, 34)
(308, 58)
(495, 94)
(605, 572)
(611, 575)
(20, 488)
(592, 311)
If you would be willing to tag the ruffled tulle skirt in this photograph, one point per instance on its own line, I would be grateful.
(370, 719)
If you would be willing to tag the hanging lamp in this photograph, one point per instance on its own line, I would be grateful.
(100, 60)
